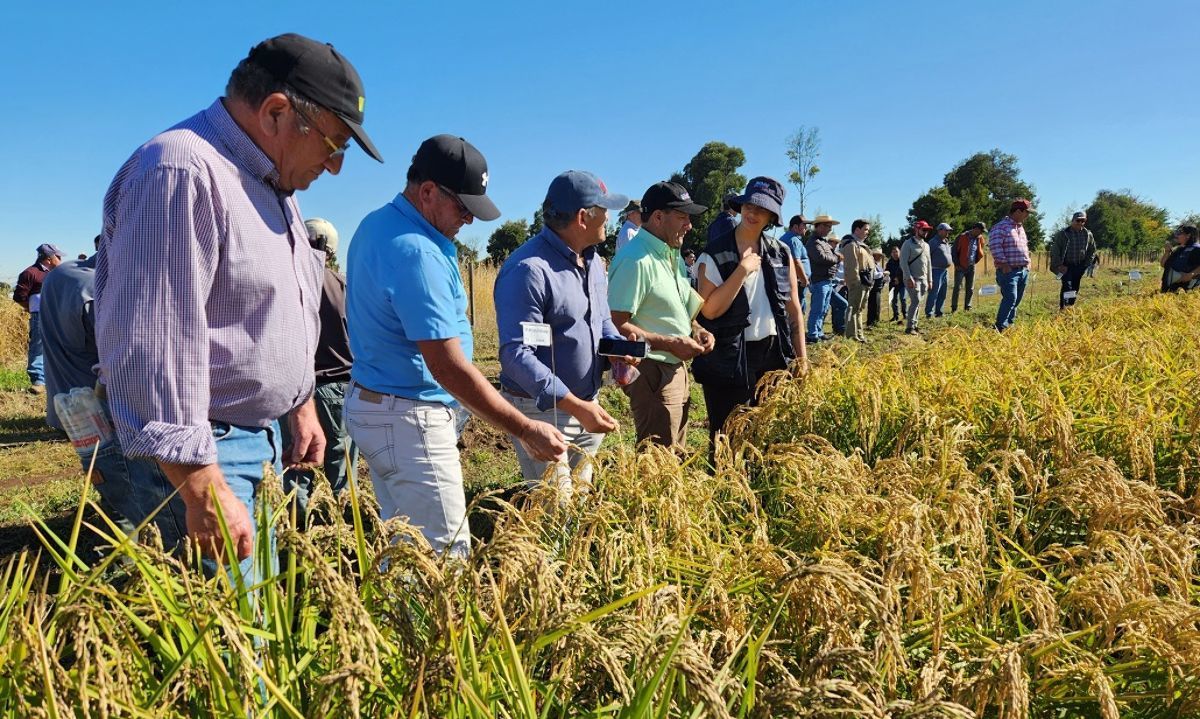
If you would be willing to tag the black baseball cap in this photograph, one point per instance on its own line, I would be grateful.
(455, 164)
(669, 196)
(321, 74)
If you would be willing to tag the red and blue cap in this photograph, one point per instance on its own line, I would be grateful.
(576, 190)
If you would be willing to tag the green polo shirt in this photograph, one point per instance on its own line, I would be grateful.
(647, 279)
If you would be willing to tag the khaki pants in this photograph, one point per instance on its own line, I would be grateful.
(659, 400)
(857, 297)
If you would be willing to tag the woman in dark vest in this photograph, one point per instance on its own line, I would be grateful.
(748, 282)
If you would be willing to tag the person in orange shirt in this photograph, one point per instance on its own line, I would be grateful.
(968, 251)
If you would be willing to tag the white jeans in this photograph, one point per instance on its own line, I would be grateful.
(412, 450)
(583, 446)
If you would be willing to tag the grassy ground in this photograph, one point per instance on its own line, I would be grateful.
(39, 473)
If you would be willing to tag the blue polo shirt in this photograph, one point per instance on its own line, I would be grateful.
(402, 286)
(543, 282)
(795, 243)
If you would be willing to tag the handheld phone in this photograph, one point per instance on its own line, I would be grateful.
(622, 348)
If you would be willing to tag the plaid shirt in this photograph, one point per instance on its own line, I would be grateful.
(1008, 243)
(206, 291)
(1072, 247)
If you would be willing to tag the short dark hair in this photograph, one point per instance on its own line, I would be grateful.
(1189, 230)
(251, 83)
(555, 219)
(858, 223)
(797, 220)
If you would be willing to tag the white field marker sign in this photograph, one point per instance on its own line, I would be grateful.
(536, 334)
(988, 290)
(1135, 275)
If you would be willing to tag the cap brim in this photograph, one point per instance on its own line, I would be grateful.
(480, 206)
(360, 137)
(613, 201)
(690, 208)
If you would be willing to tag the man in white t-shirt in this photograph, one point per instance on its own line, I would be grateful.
(633, 223)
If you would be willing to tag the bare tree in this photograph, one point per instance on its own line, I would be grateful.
(803, 149)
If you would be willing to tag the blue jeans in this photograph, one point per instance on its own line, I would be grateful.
(935, 302)
(33, 366)
(838, 306)
(820, 290)
(1012, 289)
(241, 452)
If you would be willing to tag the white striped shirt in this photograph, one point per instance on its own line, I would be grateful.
(206, 291)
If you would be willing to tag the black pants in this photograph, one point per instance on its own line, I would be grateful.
(873, 300)
(962, 277)
(1070, 283)
(720, 399)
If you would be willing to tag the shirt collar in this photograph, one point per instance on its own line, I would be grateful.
(243, 149)
(655, 245)
(410, 213)
(556, 243)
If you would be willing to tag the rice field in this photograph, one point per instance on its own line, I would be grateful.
(982, 526)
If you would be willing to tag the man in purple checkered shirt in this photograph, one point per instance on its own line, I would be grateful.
(207, 290)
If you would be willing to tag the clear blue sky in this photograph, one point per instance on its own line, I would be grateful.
(1089, 95)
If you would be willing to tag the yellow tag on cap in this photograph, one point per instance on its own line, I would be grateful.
(361, 101)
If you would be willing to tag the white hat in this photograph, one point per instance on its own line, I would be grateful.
(319, 229)
(945, 226)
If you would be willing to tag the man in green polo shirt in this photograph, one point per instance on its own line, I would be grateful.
(650, 296)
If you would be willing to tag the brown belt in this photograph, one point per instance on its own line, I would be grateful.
(369, 395)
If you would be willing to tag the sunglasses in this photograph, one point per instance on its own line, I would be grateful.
(464, 213)
(335, 150)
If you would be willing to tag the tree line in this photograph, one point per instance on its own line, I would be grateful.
(978, 189)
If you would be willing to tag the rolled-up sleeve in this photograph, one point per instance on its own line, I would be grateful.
(520, 295)
(151, 321)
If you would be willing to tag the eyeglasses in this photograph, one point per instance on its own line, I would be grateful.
(335, 150)
(464, 213)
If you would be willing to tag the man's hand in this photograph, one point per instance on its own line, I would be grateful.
(631, 361)
(910, 283)
(1061, 269)
(705, 339)
(594, 419)
(308, 439)
(684, 348)
(203, 489)
(543, 442)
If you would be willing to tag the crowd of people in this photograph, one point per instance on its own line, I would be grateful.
(225, 339)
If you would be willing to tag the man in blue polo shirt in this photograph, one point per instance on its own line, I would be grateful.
(557, 278)
(411, 341)
(794, 240)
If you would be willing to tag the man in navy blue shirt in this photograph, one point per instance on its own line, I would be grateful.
(556, 278)
(724, 222)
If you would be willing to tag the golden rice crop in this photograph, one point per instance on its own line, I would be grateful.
(926, 534)
(14, 331)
